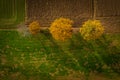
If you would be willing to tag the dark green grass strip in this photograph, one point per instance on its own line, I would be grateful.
(12, 13)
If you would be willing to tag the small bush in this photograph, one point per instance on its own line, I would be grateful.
(34, 27)
(91, 29)
(61, 29)
(23, 30)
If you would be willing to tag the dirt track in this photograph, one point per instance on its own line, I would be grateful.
(108, 11)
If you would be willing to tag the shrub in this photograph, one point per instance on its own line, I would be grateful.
(91, 29)
(34, 27)
(61, 29)
(23, 30)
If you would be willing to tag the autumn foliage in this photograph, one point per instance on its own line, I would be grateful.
(91, 30)
(34, 27)
(61, 29)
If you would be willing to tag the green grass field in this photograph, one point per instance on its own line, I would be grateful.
(40, 57)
